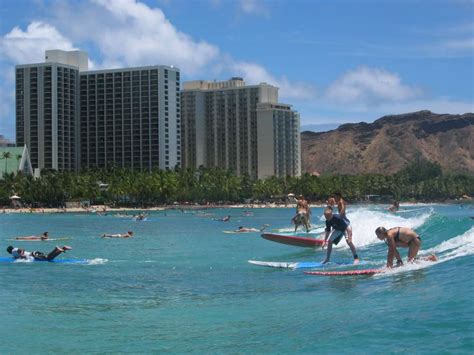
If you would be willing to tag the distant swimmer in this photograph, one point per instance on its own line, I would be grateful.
(223, 219)
(19, 253)
(129, 234)
(395, 206)
(43, 236)
(336, 228)
(400, 237)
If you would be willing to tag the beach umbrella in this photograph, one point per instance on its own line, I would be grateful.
(15, 197)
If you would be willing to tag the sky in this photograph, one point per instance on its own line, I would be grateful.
(335, 61)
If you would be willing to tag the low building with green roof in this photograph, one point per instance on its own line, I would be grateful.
(14, 159)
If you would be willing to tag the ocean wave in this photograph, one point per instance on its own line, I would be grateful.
(364, 221)
(450, 249)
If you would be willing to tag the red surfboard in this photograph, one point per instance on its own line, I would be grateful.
(294, 240)
(346, 272)
(432, 258)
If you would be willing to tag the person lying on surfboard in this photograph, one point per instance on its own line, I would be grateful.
(246, 230)
(129, 234)
(19, 253)
(400, 237)
(43, 236)
(336, 228)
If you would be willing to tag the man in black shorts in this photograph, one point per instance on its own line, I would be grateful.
(19, 253)
(336, 228)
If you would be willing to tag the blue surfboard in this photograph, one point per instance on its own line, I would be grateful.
(56, 261)
(298, 265)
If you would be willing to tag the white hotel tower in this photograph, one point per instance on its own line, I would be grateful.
(72, 118)
(239, 127)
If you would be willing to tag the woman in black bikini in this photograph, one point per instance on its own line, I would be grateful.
(399, 237)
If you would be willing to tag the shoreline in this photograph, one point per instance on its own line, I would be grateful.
(101, 209)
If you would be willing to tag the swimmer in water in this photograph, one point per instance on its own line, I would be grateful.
(43, 236)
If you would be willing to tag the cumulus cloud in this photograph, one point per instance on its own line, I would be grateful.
(370, 86)
(255, 74)
(136, 34)
(29, 46)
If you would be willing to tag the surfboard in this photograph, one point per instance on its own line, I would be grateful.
(430, 258)
(40, 240)
(346, 272)
(294, 240)
(235, 232)
(298, 264)
(56, 261)
(295, 264)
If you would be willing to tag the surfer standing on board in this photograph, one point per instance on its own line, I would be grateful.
(400, 237)
(19, 253)
(303, 214)
(341, 208)
(336, 228)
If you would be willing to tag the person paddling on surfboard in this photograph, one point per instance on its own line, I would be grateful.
(129, 234)
(43, 236)
(336, 228)
(19, 253)
(400, 237)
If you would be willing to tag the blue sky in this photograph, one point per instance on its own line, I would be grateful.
(335, 61)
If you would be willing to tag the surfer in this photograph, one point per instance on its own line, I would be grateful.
(19, 253)
(400, 237)
(224, 219)
(129, 234)
(341, 208)
(303, 214)
(247, 230)
(336, 228)
(43, 236)
(395, 206)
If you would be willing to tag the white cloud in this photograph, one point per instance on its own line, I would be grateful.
(135, 34)
(29, 46)
(460, 44)
(253, 7)
(255, 74)
(370, 86)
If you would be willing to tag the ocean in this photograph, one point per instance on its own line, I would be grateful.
(181, 285)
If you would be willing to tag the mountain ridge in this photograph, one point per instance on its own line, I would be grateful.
(390, 143)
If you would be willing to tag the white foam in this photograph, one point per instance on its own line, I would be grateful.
(364, 222)
(453, 248)
(97, 261)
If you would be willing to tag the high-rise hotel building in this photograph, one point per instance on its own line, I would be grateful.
(130, 118)
(47, 104)
(71, 118)
(239, 127)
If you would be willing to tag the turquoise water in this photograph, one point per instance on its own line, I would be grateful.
(182, 285)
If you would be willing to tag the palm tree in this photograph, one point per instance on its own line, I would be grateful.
(6, 155)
